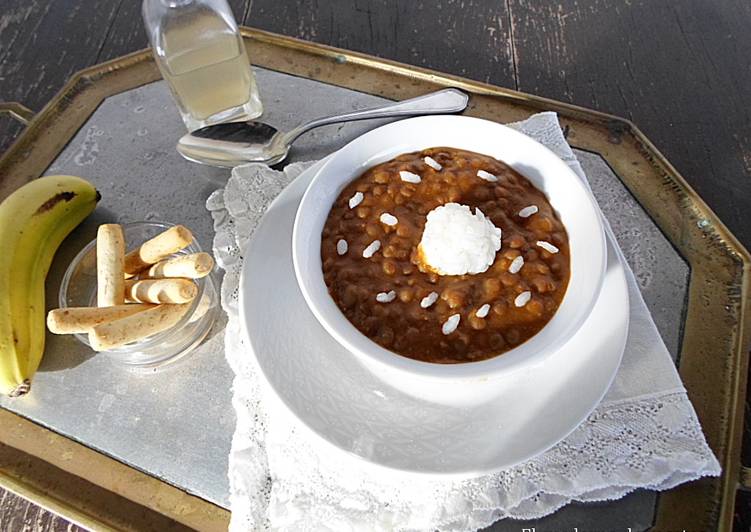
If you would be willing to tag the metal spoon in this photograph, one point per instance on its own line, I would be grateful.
(235, 143)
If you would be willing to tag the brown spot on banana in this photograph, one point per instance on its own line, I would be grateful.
(54, 200)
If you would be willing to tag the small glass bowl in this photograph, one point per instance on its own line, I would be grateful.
(78, 289)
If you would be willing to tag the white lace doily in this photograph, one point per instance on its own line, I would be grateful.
(644, 434)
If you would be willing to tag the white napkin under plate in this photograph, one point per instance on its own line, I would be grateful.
(644, 434)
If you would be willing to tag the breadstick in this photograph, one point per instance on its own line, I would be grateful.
(110, 250)
(193, 266)
(74, 320)
(106, 336)
(160, 247)
(160, 290)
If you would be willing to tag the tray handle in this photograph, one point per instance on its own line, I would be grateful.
(17, 111)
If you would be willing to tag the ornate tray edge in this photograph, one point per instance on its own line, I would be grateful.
(90, 488)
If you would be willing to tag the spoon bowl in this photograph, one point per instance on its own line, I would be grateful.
(233, 144)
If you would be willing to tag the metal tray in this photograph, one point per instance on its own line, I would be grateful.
(93, 488)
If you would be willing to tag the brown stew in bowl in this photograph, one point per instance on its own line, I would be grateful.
(375, 273)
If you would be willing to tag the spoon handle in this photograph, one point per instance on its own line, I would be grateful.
(440, 102)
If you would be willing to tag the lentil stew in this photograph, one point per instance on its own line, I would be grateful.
(374, 272)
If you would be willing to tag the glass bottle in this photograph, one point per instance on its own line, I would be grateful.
(201, 55)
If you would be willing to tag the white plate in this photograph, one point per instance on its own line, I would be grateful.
(330, 392)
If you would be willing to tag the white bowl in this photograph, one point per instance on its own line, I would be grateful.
(473, 381)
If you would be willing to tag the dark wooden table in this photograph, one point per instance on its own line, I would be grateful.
(679, 69)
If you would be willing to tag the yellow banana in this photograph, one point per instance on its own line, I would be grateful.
(34, 220)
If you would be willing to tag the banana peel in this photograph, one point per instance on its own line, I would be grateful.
(34, 220)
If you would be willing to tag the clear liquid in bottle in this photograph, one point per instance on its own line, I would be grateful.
(202, 57)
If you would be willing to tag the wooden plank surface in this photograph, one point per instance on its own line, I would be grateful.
(17, 514)
(42, 44)
(680, 70)
(470, 38)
